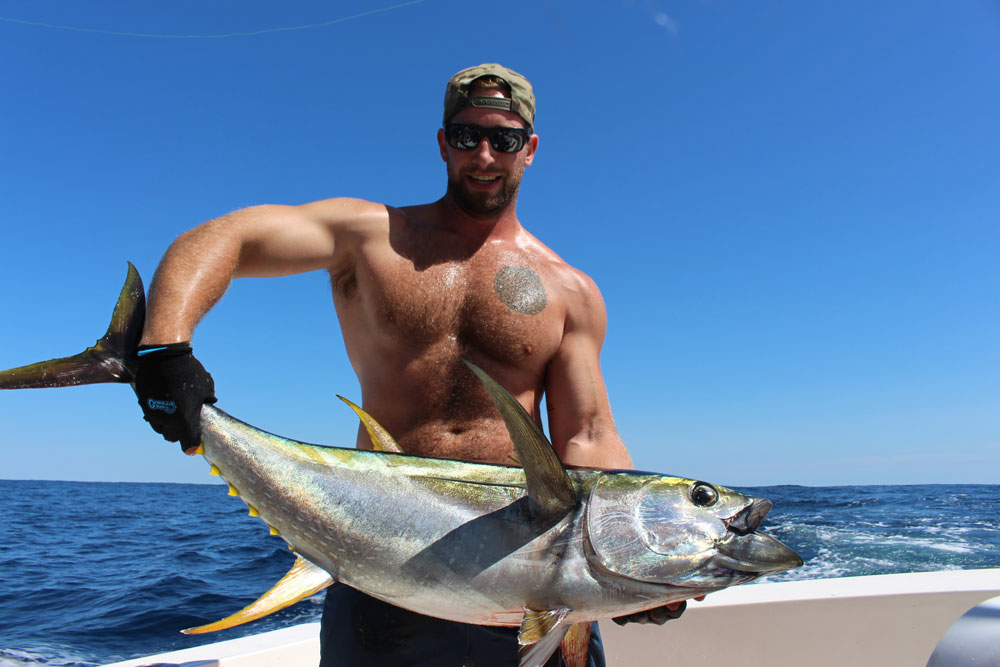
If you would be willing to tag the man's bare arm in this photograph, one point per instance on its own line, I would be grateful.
(580, 422)
(258, 241)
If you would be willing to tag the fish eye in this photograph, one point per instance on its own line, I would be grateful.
(704, 494)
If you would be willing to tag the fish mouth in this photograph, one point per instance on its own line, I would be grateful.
(750, 517)
(756, 553)
(745, 550)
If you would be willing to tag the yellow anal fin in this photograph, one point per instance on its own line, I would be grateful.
(303, 580)
(575, 645)
(381, 440)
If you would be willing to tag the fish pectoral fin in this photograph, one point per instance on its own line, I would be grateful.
(303, 580)
(381, 440)
(575, 645)
(549, 488)
(540, 635)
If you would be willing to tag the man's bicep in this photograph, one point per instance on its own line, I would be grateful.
(573, 393)
(281, 240)
(580, 421)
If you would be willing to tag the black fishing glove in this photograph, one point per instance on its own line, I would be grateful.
(172, 386)
(660, 615)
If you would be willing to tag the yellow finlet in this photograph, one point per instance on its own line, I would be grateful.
(253, 510)
(214, 471)
(200, 450)
(274, 531)
(303, 580)
(381, 440)
(233, 491)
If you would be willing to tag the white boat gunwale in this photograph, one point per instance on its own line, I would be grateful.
(894, 619)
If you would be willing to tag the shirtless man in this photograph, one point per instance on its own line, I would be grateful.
(416, 289)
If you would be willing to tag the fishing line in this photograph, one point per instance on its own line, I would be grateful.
(253, 33)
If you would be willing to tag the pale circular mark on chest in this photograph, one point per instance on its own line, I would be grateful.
(520, 289)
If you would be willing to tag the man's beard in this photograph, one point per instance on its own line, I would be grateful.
(480, 204)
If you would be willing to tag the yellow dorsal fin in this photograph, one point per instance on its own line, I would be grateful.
(303, 580)
(381, 440)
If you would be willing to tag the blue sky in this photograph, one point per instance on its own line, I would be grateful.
(791, 209)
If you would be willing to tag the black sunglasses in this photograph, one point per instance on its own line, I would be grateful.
(503, 139)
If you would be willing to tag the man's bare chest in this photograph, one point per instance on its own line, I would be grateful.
(505, 305)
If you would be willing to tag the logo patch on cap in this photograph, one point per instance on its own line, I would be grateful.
(491, 103)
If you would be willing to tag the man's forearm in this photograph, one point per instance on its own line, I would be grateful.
(607, 453)
(192, 276)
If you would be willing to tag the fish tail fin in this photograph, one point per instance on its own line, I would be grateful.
(110, 359)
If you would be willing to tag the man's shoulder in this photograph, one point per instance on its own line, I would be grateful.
(583, 302)
(581, 290)
(573, 279)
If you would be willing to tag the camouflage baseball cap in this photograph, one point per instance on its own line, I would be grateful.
(522, 102)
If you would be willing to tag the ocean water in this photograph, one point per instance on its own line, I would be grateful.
(91, 573)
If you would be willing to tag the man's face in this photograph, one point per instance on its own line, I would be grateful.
(484, 181)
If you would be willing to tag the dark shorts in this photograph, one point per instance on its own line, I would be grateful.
(360, 631)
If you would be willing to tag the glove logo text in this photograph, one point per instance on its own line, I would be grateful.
(166, 406)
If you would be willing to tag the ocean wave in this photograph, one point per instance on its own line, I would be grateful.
(51, 656)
